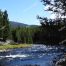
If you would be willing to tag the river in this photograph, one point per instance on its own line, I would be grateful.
(37, 55)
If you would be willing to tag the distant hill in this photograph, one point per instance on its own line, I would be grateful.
(16, 24)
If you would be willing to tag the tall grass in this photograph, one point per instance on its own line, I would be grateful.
(9, 46)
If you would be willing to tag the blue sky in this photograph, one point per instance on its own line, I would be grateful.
(24, 11)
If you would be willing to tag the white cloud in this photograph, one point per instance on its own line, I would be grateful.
(63, 16)
(52, 16)
(46, 7)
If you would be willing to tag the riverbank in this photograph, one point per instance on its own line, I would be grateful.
(9, 46)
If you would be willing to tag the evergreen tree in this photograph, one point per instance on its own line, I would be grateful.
(49, 30)
(18, 34)
(14, 35)
(5, 24)
(56, 6)
(1, 19)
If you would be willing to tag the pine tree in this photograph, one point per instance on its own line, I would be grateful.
(5, 23)
(14, 35)
(1, 19)
(56, 6)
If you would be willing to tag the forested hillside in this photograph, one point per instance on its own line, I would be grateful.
(17, 24)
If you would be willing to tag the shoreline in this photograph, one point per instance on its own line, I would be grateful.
(4, 48)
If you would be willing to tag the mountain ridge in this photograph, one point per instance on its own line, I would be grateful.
(15, 24)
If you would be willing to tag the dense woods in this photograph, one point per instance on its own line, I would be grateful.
(49, 32)
(4, 25)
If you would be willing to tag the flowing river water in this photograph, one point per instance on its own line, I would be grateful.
(37, 55)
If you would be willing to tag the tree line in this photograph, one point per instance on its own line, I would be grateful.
(17, 34)
(47, 33)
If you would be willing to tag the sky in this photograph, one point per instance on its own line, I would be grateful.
(24, 11)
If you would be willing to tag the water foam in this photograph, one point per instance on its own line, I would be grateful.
(14, 56)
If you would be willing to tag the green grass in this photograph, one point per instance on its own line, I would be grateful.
(9, 46)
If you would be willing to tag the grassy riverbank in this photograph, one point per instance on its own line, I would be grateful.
(9, 46)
